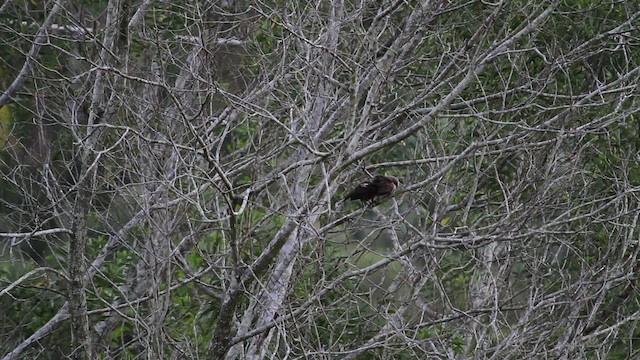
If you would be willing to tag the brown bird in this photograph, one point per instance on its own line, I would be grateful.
(379, 187)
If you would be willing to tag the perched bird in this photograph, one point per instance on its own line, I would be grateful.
(379, 187)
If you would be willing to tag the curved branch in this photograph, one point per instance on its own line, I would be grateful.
(31, 56)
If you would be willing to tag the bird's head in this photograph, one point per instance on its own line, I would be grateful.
(394, 180)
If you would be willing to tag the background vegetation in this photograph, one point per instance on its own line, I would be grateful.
(170, 177)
